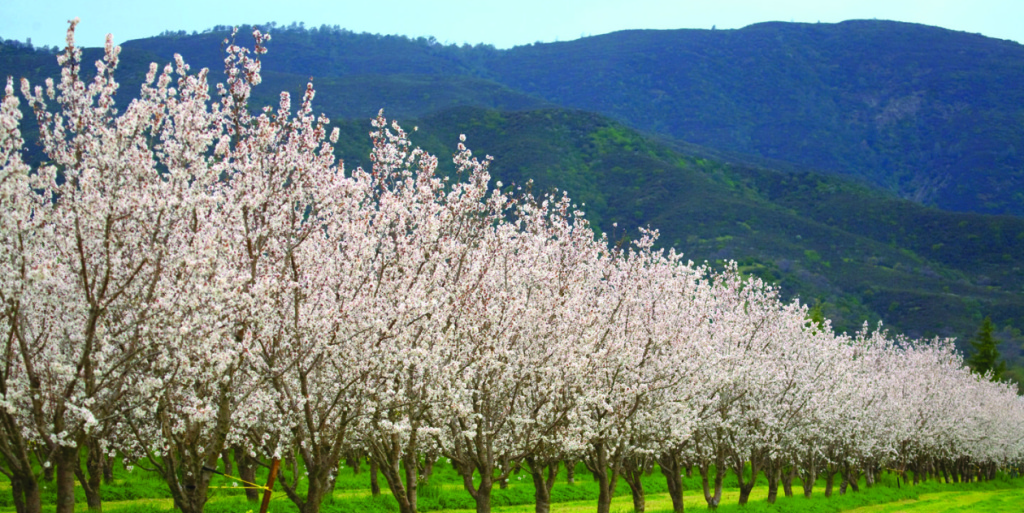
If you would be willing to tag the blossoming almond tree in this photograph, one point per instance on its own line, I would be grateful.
(196, 373)
(514, 330)
(187, 275)
(106, 220)
(285, 201)
(412, 253)
(630, 370)
(21, 272)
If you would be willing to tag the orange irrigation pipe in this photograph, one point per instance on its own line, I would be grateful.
(270, 485)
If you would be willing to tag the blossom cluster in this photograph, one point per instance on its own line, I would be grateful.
(188, 276)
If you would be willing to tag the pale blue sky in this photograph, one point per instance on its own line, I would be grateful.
(503, 24)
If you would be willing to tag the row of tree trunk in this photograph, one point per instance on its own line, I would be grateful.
(98, 470)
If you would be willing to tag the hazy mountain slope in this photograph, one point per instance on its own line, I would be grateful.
(404, 96)
(930, 114)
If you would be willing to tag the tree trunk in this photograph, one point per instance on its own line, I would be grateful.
(542, 486)
(48, 473)
(605, 493)
(226, 458)
(332, 479)
(853, 477)
(606, 476)
(26, 494)
(773, 471)
(639, 505)
(374, 484)
(353, 462)
(108, 469)
(670, 468)
(712, 498)
(247, 472)
(393, 476)
(18, 495)
(808, 476)
(314, 497)
(92, 482)
(746, 486)
(830, 478)
(189, 491)
(67, 461)
(481, 493)
(633, 474)
(570, 471)
(787, 479)
(320, 463)
(411, 479)
(428, 467)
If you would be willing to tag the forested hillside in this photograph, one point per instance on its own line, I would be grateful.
(926, 113)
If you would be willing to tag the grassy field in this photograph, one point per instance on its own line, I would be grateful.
(941, 502)
(140, 492)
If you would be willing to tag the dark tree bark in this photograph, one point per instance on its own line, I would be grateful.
(852, 477)
(480, 493)
(353, 463)
(606, 473)
(869, 474)
(108, 469)
(633, 471)
(773, 471)
(374, 484)
(830, 476)
(26, 495)
(787, 479)
(247, 472)
(226, 458)
(713, 498)
(92, 478)
(543, 475)
(747, 485)
(809, 475)
(404, 492)
(67, 462)
(48, 473)
(24, 483)
(672, 470)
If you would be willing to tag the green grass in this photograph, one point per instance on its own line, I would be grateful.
(140, 492)
(941, 502)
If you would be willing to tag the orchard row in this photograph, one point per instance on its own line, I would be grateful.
(185, 276)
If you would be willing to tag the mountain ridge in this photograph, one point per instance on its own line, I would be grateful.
(928, 114)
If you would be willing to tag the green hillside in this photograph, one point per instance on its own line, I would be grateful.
(928, 114)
